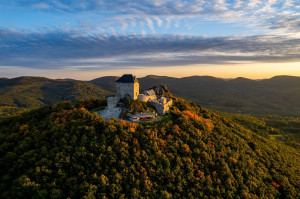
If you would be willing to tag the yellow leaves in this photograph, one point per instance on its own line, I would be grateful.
(147, 184)
(26, 182)
(103, 180)
(187, 160)
(94, 176)
(198, 132)
(232, 160)
(186, 149)
(176, 129)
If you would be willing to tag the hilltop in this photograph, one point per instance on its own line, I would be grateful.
(63, 150)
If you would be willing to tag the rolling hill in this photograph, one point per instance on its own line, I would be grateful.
(33, 92)
(277, 95)
(62, 151)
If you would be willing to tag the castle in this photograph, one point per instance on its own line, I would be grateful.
(128, 87)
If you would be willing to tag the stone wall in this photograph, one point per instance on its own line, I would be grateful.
(162, 108)
(112, 102)
(146, 98)
(125, 90)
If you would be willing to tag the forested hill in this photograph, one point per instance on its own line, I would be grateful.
(277, 95)
(32, 92)
(62, 151)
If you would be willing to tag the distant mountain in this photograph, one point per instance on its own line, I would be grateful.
(278, 95)
(31, 92)
(62, 151)
(106, 83)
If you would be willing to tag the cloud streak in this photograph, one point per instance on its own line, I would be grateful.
(114, 34)
(272, 14)
(61, 49)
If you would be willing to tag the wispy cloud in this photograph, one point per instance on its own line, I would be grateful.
(60, 49)
(108, 34)
(247, 12)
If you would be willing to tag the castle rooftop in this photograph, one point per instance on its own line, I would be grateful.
(127, 78)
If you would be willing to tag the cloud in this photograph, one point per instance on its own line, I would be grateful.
(150, 24)
(61, 49)
(158, 21)
(258, 13)
(290, 23)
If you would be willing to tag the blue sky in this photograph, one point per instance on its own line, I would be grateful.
(84, 39)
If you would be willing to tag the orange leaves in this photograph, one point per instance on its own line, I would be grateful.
(207, 123)
(176, 129)
(185, 117)
(186, 149)
(192, 115)
(276, 185)
(200, 174)
(22, 127)
(132, 126)
(198, 132)
(135, 142)
(60, 120)
(123, 122)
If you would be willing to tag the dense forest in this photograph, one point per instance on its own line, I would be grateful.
(65, 151)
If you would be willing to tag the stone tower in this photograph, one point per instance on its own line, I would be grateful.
(128, 87)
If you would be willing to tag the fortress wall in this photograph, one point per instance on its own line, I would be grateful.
(112, 102)
(131, 89)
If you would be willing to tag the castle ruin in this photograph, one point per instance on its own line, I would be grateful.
(128, 87)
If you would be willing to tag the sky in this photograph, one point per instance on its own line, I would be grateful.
(86, 39)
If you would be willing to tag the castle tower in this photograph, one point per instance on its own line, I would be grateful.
(128, 87)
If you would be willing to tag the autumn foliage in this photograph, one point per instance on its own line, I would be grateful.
(62, 151)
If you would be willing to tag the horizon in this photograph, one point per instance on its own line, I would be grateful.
(152, 75)
(91, 38)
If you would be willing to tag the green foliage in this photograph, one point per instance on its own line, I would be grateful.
(62, 151)
(137, 106)
(9, 111)
(280, 128)
(34, 92)
(289, 127)
(90, 104)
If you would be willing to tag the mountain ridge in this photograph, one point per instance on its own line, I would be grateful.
(278, 95)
